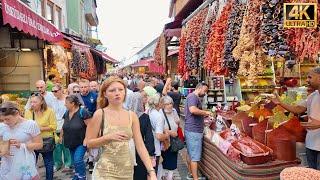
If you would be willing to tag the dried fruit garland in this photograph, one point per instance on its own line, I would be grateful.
(304, 43)
(83, 64)
(248, 52)
(205, 34)
(272, 35)
(232, 36)
(157, 52)
(182, 68)
(194, 28)
(214, 54)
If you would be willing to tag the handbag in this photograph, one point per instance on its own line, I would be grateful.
(175, 143)
(180, 134)
(49, 143)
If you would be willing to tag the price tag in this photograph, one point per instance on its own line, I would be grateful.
(234, 130)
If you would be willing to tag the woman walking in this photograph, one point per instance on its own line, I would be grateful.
(118, 127)
(73, 134)
(170, 158)
(137, 104)
(157, 123)
(46, 120)
(60, 150)
(19, 132)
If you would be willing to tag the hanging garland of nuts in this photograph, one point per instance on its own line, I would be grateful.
(214, 54)
(232, 36)
(248, 52)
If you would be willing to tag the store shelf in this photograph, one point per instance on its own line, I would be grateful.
(309, 64)
(256, 90)
(259, 77)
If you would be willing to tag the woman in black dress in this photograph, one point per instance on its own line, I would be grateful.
(136, 104)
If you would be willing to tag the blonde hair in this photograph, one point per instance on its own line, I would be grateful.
(102, 100)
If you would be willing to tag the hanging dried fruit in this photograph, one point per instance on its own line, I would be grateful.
(248, 52)
(232, 36)
(182, 68)
(214, 54)
(205, 34)
(194, 29)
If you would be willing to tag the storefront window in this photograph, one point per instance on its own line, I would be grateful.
(50, 13)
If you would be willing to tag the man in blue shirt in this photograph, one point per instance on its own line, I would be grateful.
(89, 98)
(90, 102)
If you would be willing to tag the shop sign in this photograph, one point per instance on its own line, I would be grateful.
(300, 15)
(24, 19)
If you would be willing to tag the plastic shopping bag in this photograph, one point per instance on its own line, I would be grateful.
(23, 165)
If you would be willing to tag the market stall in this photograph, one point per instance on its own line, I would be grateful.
(243, 52)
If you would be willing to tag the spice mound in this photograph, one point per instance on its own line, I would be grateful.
(300, 173)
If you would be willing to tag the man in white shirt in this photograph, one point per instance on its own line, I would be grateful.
(50, 99)
(312, 106)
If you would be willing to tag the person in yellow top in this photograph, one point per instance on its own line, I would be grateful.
(46, 120)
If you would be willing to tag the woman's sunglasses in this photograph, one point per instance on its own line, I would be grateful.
(35, 94)
(4, 109)
(54, 91)
(76, 91)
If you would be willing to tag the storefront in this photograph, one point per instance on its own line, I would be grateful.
(23, 37)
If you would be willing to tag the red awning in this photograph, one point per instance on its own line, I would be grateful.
(173, 32)
(105, 56)
(20, 16)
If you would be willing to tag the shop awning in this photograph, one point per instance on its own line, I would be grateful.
(20, 16)
(173, 32)
(105, 56)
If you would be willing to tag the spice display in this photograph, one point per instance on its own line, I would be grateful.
(282, 143)
(300, 173)
(232, 36)
(206, 30)
(194, 29)
(214, 53)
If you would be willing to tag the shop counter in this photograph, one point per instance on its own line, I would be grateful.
(216, 165)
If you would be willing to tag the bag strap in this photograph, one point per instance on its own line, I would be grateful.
(165, 115)
(102, 123)
(33, 116)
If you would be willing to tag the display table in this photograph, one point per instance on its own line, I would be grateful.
(216, 165)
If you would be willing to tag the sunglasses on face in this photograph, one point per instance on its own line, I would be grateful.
(35, 94)
(54, 91)
(76, 91)
(4, 110)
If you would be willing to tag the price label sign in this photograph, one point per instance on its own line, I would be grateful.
(300, 15)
